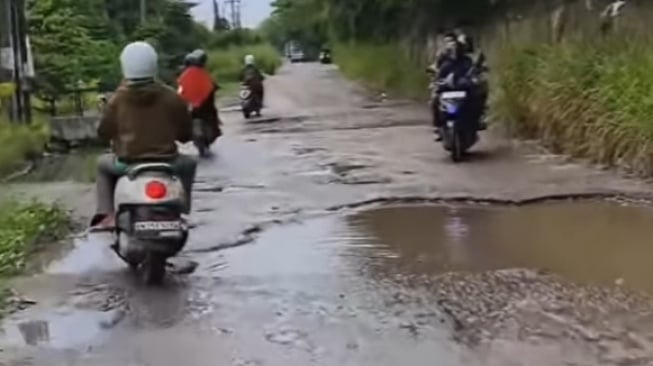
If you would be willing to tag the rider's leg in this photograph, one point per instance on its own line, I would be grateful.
(186, 167)
(105, 184)
(435, 112)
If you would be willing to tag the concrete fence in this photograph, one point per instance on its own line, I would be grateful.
(74, 130)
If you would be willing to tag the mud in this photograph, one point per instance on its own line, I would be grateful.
(305, 257)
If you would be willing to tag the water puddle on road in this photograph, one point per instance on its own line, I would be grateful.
(57, 329)
(587, 242)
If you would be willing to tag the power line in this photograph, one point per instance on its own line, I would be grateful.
(235, 9)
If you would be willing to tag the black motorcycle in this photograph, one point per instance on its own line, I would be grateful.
(201, 134)
(459, 110)
(325, 57)
(249, 102)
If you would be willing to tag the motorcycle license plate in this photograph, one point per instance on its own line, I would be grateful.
(454, 94)
(156, 230)
(151, 226)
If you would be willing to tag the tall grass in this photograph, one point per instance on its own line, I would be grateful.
(226, 64)
(589, 98)
(384, 67)
(19, 142)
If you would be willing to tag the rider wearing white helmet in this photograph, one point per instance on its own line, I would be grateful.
(249, 60)
(253, 77)
(143, 120)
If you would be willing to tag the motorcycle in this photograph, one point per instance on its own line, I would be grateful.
(325, 57)
(459, 131)
(149, 202)
(458, 134)
(201, 133)
(249, 102)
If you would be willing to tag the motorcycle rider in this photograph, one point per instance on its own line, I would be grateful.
(452, 63)
(252, 77)
(197, 87)
(143, 120)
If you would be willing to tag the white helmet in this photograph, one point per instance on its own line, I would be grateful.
(249, 60)
(139, 60)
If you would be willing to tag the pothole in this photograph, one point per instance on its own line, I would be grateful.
(417, 240)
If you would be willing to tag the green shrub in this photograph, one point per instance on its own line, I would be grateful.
(18, 142)
(23, 227)
(385, 67)
(225, 64)
(235, 37)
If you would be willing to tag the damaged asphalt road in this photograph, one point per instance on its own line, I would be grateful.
(324, 236)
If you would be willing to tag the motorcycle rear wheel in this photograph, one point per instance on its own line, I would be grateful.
(153, 269)
(202, 148)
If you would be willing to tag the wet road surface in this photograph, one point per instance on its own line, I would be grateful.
(303, 262)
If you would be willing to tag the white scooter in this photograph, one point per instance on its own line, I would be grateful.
(149, 202)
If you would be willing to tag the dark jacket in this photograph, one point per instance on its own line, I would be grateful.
(250, 74)
(207, 111)
(459, 66)
(144, 121)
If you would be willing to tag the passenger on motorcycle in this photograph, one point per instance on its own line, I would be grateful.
(252, 77)
(482, 88)
(197, 87)
(466, 40)
(142, 121)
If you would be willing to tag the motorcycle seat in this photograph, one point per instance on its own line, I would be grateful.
(135, 170)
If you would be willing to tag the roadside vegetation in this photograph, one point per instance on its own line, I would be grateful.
(587, 98)
(397, 74)
(225, 63)
(19, 143)
(26, 228)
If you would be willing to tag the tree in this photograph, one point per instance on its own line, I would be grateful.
(66, 51)
(77, 40)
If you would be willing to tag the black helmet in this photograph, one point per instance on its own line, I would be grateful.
(200, 57)
(196, 58)
(188, 60)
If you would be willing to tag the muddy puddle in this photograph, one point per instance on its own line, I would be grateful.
(592, 242)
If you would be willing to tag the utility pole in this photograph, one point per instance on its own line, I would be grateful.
(235, 13)
(15, 57)
(216, 15)
(143, 11)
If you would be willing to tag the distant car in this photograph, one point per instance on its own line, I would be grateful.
(297, 56)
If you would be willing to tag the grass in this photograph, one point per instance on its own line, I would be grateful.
(78, 166)
(382, 67)
(20, 142)
(588, 98)
(225, 64)
(24, 228)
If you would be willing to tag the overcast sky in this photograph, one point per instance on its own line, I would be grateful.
(253, 11)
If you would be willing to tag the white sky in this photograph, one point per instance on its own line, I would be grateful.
(252, 13)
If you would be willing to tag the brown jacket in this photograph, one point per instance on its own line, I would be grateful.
(144, 121)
